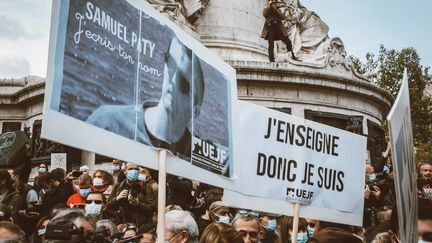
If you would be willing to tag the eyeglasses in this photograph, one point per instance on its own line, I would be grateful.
(95, 201)
(130, 227)
(252, 234)
(133, 169)
(80, 206)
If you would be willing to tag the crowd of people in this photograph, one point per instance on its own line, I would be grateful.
(120, 205)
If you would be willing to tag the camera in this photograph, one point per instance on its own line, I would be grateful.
(76, 173)
(63, 230)
(66, 230)
(135, 190)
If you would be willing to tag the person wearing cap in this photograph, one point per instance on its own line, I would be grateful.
(219, 213)
(79, 199)
(128, 230)
(164, 123)
(247, 223)
(268, 224)
(216, 212)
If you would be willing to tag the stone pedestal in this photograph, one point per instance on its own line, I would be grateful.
(232, 28)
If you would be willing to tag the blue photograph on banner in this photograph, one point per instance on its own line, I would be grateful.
(130, 74)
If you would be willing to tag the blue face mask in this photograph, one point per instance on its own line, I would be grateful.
(224, 219)
(84, 192)
(116, 168)
(132, 175)
(310, 230)
(42, 170)
(372, 177)
(271, 225)
(302, 237)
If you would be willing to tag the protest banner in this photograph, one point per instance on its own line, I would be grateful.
(58, 160)
(292, 160)
(125, 81)
(13, 150)
(400, 130)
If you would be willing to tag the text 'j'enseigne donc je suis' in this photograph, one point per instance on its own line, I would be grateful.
(276, 167)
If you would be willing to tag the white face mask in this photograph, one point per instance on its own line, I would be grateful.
(422, 241)
(41, 232)
(428, 192)
(142, 177)
(98, 181)
(116, 168)
(93, 208)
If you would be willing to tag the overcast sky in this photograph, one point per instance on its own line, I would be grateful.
(362, 26)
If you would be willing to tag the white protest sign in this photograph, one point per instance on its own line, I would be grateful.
(58, 160)
(400, 129)
(287, 158)
(131, 82)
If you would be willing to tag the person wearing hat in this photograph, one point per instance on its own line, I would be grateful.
(268, 224)
(217, 213)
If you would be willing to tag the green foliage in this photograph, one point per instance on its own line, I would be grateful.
(389, 65)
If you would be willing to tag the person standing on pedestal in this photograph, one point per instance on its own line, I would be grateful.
(274, 30)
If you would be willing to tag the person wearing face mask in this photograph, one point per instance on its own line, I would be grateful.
(373, 198)
(118, 172)
(94, 205)
(129, 200)
(102, 182)
(79, 199)
(54, 190)
(268, 224)
(43, 168)
(424, 187)
(286, 225)
(27, 217)
(219, 213)
(180, 227)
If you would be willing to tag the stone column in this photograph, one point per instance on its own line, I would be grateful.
(232, 28)
(89, 159)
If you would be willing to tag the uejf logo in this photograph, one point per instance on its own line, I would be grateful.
(6, 140)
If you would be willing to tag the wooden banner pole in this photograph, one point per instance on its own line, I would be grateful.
(161, 197)
(295, 223)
